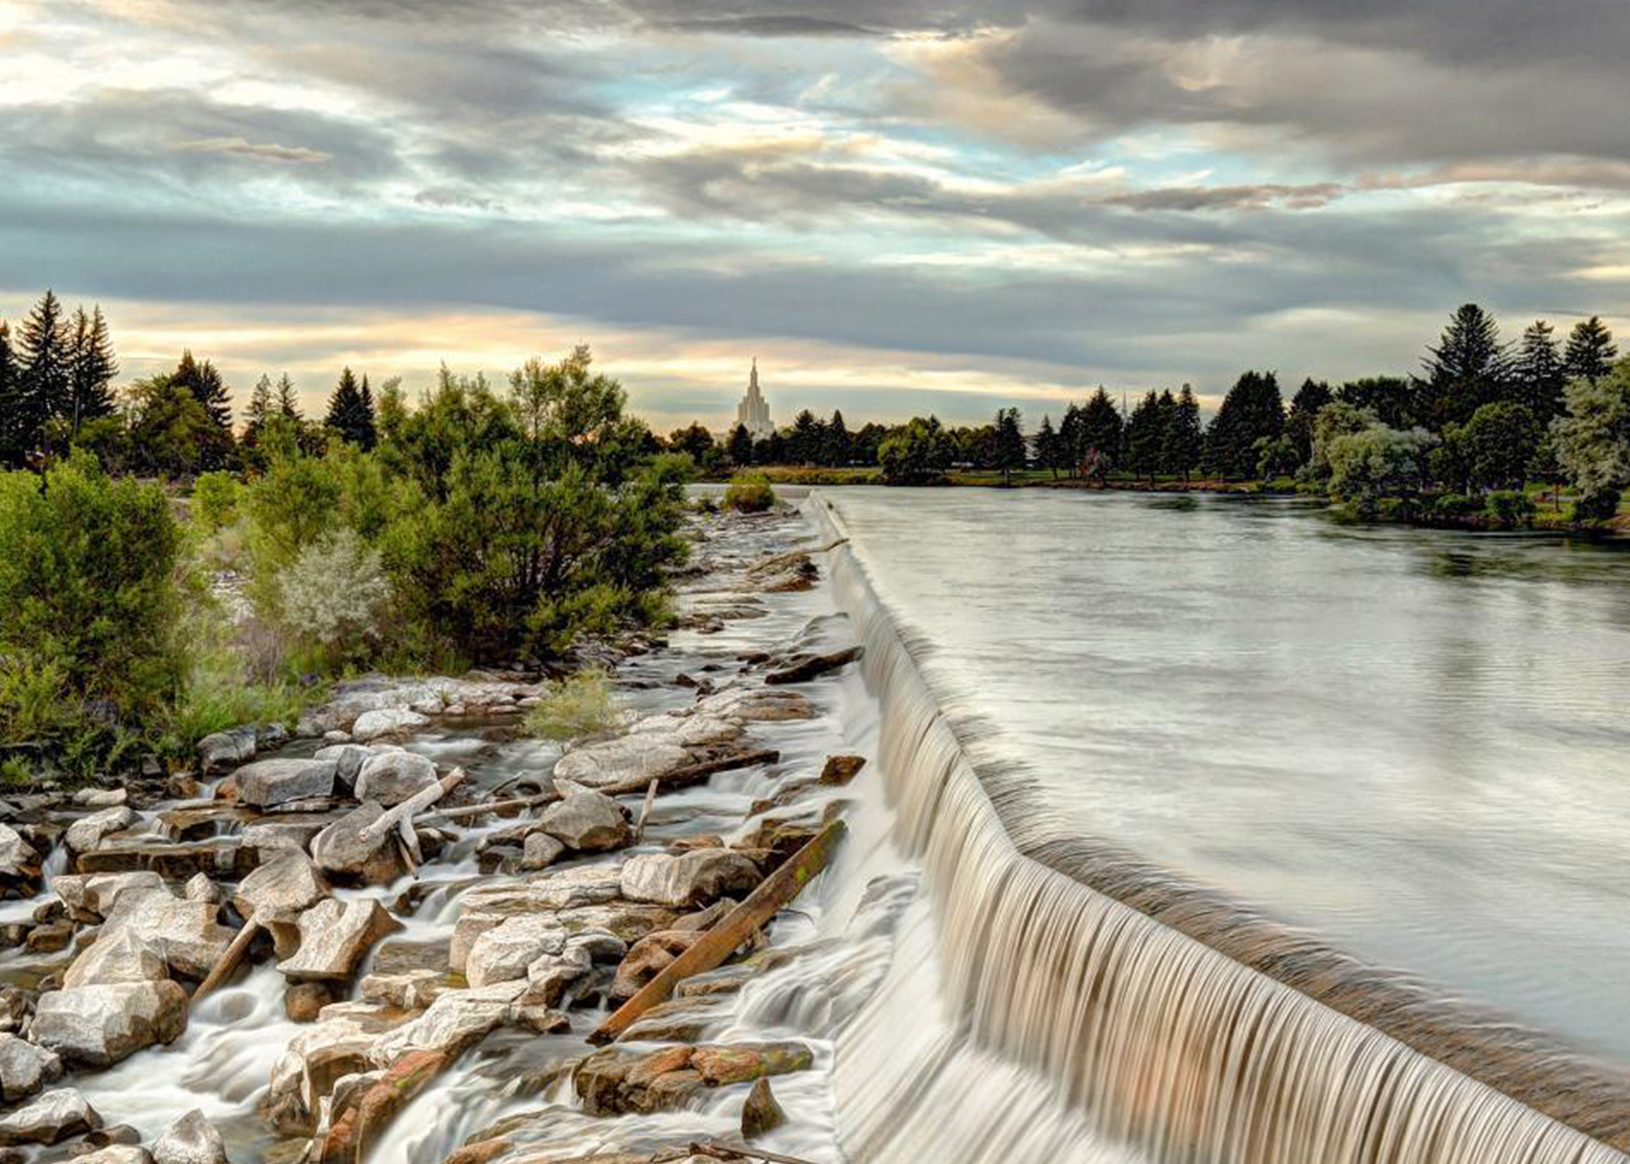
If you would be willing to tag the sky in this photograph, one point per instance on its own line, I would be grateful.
(898, 208)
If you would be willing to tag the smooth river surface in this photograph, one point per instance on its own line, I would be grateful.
(1413, 743)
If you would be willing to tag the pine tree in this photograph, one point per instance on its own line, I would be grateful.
(1537, 374)
(1145, 438)
(11, 403)
(348, 414)
(838, 443)
(260, 407)
(1009, 451)
(367, 430)
(1304, 410)
(740, 447)
(92, 368)
(1181, 451)
(1251, 411)
(804, 443)
(1070, 441)
(288, 400)
(1047, 447)
(1101, 431)
(1591, 350)
(207, 387)
(44, 372)
(1467, 369)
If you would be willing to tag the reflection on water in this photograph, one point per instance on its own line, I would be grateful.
(1410, 741)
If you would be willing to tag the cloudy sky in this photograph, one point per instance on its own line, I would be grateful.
(898, 207)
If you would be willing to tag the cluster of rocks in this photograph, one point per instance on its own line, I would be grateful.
(282, 861)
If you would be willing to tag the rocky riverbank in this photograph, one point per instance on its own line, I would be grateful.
(410, 904)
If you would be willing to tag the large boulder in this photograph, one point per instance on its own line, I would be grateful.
(25, 1068)
(456, 1020)
(282, 889)
(185, 933)
(341, 850)
(97, 893)
(392, 777)
(223, 751)
(348, 760)
(192, 1139)
(117, 1154)
(585, 820)
(337, 1045)
(121, 956)
(620, 1080)
(49, 1119)
(688, 879)
(268, 783)
(14, 851)
(386, 721)
(87, 832)
(552, 975)
(505, 951)
(647, 958)
(334, 938)
(640, 755)
(102, 1024)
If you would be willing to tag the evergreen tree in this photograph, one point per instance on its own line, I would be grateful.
(45, 372)
(1070, 441)
(351, 414)
(260, 407)
(12, 404)
(1304, 410)
(207, 387)
(92, 368)
(1100, 431)
(1049, 450)
(1467, 369)
(804, 443)
(1166, 415)
(288, 400)
(1537, 374)
(838, 443)
(1251, 411)
(1009, 451)
(866, 442)
(1591, 350)
(367, 428)
(1183, 442)
(741, 446)
(1145, 438)
(1391, 398)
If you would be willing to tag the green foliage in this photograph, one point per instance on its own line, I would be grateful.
(1466, 370)
(1591, 350)
(917, 453)
(335, 595)
(1251, 410)
(749, 493)
(1498, 443)
(171, 433)
(1510, 508)
(215, 500)
(1010, 452)
(33, 698)
(88, 583)
(1593, 442)
(1454, 506)
(1376, 463)
(1276, 457)
(577, 706)
(1333, 421)
(351, 411)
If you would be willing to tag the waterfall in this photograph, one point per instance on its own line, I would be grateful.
(1072, 1026)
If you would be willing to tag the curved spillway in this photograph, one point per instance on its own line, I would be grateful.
(1076, 1019)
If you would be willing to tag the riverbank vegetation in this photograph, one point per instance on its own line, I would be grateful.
(1486, 435)
(477, 526)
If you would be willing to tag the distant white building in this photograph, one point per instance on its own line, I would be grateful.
(753, 412)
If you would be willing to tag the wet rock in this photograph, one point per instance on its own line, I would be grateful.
(408, 989)
(288, 833)
(756, 704)
(386, 721)
(49, 1119)
(116, 1154)
(25, 1068)
(761, 1114)
(185, 933)
(15, 852)
(540, 850)
(618, 1080)
(337, 1045)
(392, 777)
(218, 856)
(551, 977)
(49, 939)
(16, 1008)
(689, 729)
(586, 820)
(802, 668)
(341, 850)
(100, 1025)
(334, 938)
(122, 956)
(348, 761)
(704, 918)
(87, 832)
(719, 1064)
(201, 888)
(640, 755)
(724, 980)
(647, 958)
(360, 1117)
(304, 1001)
(192, 1139)
(223, 751)
(180, 787)
(687, 879)
(679, 1020)
(267, 783)
(454, 1022)
(839, 770)
(281, 889)
(505, 951)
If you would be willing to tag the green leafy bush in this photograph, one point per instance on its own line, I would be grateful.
(88, 587)
(335, 594)
(1510, 508)
(215, 500)
(577, 706)
(917, 453)
(749, 493)
(1453, 506)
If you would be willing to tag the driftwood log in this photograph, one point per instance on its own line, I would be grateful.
(228, 961)
(730, 932)
(768, 563)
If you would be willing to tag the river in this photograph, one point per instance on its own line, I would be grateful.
(1408, 742)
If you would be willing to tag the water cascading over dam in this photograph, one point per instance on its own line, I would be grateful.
(1080, 1028)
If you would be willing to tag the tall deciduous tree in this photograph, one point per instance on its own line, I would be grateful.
(1591, 350)
(1593, 441)
(1537, 373)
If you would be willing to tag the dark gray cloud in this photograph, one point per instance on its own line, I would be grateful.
(791, 25)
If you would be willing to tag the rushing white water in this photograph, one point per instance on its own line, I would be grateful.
(1100, 1013)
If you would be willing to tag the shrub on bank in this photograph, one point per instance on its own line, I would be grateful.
(749, 493)
(215, 500)
(1454, 507)
(1510, 508)
(577, 706)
